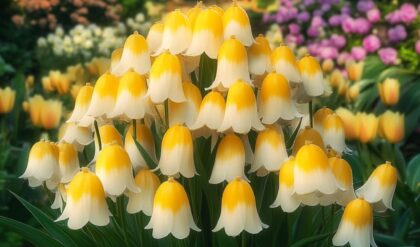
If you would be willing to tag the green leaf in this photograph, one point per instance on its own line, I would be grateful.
(207, 72)
(373, 66)
(310, 240)
(413, 173)
(149, 161)
(31, 234)
(387, 240)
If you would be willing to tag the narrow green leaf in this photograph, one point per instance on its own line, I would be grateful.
(387, 240)
(149, 161)
(29, 233)
(413, 173)
(309, 241)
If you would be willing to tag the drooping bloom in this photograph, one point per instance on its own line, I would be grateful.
(349, 121)
(356, 225)
(154, 37)
(113, 167)
(284, 62)
(236, 23)
(131, 97)
(212, 110)
(176, 33)
(81, 106)
(104, 96)
(109, 136)
(286, 197)
(171, 212)
(305, 135)
(230, 160)
(7, 99)
(145, 138)
(389, 91)
(165, 81)
(259, 56)
(42, 163)
(76, 135)
(148, 182)
(366, 126)
(275, 99)
(135, 56)
(391, 126)
(344, 177)
(333, 133)
(186, 111)
(270, 150)
(85, 201)
(241, 109)
(177, 152)
(207, 34)
(239, 210)
(380, 187)
(311, 74)
(232, 64)
(115, 58)
(319, 117)
(68, 162)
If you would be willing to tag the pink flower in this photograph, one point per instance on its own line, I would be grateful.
(358, 53)
(408, 13)
(371, 43)
(374, 15)
(418, 46)
(388, 55)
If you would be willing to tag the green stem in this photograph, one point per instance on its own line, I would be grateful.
(121, 214)
(134, 129)
(167, 113)
(98, 135)
(311, 120)
(243, 240)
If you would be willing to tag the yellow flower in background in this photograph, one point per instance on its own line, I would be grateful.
(230, 160)
(236, 23)
(207, 34)
(34, 107)
(344, 176)
(115, 58)
(327, 65)
(286, 197)
(113, 168)
(42, 163)
(59, 82)
(212, 110)
(380, 187)
(76, 73)
(270, 150)
(29, 81)
(349, 121)
(239, 211)
(391, 126)
(259, 56)
(98, 66)
(85, 201)
(81, 105)
(307, 134)
(171, 212)
(232, 65)
(284, 62)
(353, 91)
(154, 37)
(145, 138)
(51, 112)
(319, 117)
(186, 112)
(165, 80)
(336, 78)
(74, 91)
(241, 110)
(366, 126)
(356, 225)
(354, 70)
(177, 33)
(177, 152)
(275, 99)
(148, 182)
(135, 55)
(47, 84)
(311, 75)
(333, 133)
(389, 91)
(7, 99)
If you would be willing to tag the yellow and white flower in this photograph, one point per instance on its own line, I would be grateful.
(356, 225)
(115, 58)
(344, 177)
(165, 81)
(284, 62)
(232, 64)
(305, 135)
(109, 136)
(135, 56)
(77, 136)
(236, 23)
(176, 33)
(239, 211)
(148, 182)
(113, 167)
(212, 110)
(380, 187)
(275, 99)
(171, 212)
(131, 97)
(311, 74)
(259, 56)
(333, 133)
(186, 111)
(349, 121)
(319, 118)
(154, 37)
(145, 138)
(68, 162)
(177, 152)
(104, 96)
(241, 110)
(270, 150)
(230, 160)
(81, 105)
(286, 198)
(85, 201)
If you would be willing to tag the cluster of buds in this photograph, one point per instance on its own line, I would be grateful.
(152, 82)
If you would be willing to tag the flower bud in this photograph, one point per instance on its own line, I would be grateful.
(7, 99)
(389, 91)
(391, 126)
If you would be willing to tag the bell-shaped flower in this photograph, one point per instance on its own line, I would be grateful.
(333, 133)
(239, 211)
(154, 37)
(68, 162)
(236, 23)
(81, 106)
(212, 110)
(284, 62)
(131, 97)
(320, 116)
(307, 134)
(165, 80)
(230, 160)
(311, 74)
(109, 135)
(171, 212)
(148, 182)
(186, 112)
(275, 99)
(104, 96)
(76, 135)
(356, 225)
(145, 138)
(286, 198)
(176, 33)
(241, 110)
(135, 56)
(270, 150)
(380, 187)
(344, 177)
(177, 152)
(259, 56)
(232, 65)
(85, 201)
(113, 167)
(115, 58)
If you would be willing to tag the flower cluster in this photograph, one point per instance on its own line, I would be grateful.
(152, 84)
